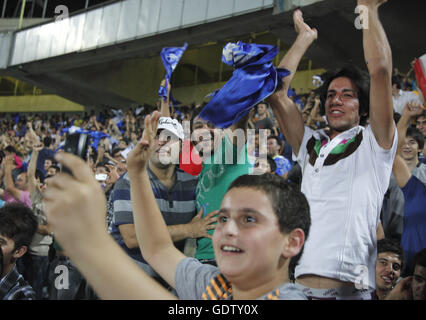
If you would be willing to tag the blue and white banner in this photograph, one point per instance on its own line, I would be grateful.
(170, 57)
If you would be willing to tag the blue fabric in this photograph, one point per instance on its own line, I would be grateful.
(254, 79)
(283, 165)
(170, 57)
(95, 135)
(414, 232)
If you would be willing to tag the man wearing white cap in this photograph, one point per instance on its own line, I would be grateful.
(174, 191)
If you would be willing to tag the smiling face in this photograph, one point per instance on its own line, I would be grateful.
(388, 270)
(166, 149)
(247, 242)
(410, 149)
(342, 105)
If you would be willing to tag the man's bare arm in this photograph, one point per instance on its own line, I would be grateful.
(378, 57)
(400, 169)
(165, 104)
(288, 114)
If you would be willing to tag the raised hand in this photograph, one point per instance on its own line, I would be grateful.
(412, 109)
(303, 30)
(38, 147)
(138, 157)
(75, 205)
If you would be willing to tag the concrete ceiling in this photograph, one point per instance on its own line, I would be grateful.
(339, 42)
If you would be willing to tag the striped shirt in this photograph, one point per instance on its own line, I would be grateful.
(196, 281)
(176, 204)
(14, 287)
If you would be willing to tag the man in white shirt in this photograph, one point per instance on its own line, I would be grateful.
(345, 170)
(400, 97)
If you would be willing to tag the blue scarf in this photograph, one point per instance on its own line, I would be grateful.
(254, 79)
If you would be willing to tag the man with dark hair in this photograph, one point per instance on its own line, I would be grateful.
(17, 228)
(262, 224)
(46, 153)
(418, 286)
(413, 188)
(388, 267)
(345, 170)
(274, 145)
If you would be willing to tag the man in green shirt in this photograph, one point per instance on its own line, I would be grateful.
(224, 155)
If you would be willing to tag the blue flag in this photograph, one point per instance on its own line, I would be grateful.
(95, 135)
(170, 57)
(254, 79)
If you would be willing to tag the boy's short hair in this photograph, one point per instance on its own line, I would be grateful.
(289, 204)
(416, 135)
(18, 223)
(388, 245)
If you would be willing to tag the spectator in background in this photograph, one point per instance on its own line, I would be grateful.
(46, 153)
(414, 226)
(412, 287)
(283, 165)
(34, 265)
(388, 267)
(400, 97)
(421, 125)
(17, 228)
(14, 191)
(418, 285)
(264, 120)
(410, 146)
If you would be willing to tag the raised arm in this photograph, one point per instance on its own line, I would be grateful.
(378, 57)
(400, 169)
(165, 104)
(32, 167)
(9, 185)
(151, 231)
(287, 113)
(75, 208)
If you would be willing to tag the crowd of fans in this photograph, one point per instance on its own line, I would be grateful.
(189, 193)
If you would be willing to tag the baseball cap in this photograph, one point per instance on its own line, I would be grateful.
(171, 125)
